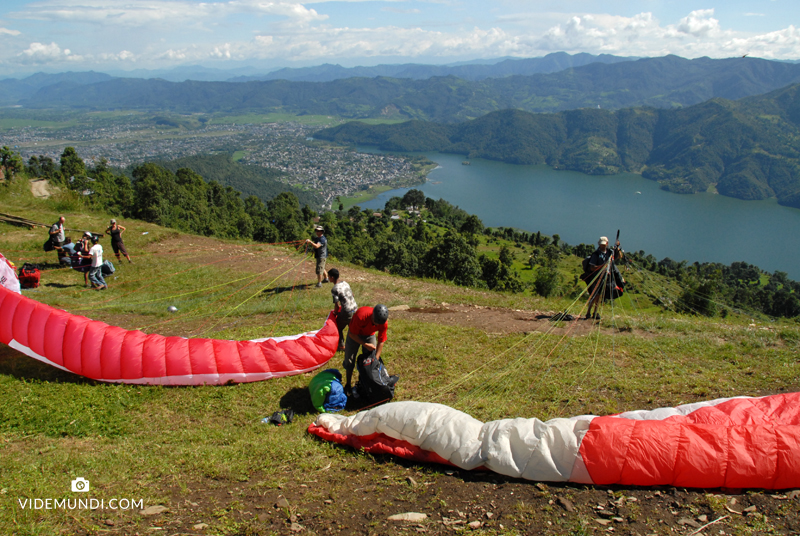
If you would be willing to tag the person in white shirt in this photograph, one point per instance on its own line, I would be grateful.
(96, 272)
(344, 304)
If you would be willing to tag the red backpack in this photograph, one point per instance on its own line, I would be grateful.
(29, 276)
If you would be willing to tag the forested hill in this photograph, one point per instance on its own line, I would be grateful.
(261, 182)
(660, 82)
(746, 149)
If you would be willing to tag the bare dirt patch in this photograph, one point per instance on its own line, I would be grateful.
(343, 500)
(41, 189)
(501, 320)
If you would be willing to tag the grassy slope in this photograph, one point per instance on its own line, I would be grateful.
(205, 445)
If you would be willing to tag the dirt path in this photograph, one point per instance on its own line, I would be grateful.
(41, 188)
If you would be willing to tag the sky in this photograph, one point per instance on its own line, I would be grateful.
(122, 35)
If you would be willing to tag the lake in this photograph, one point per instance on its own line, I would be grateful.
(580, 208)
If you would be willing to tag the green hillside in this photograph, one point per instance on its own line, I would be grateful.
(203, 455)
(263, 183)
(746, 149)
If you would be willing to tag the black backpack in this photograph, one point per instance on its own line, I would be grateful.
(585, 263)
(374, 383)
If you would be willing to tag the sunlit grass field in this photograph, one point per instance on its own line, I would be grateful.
(156, 444)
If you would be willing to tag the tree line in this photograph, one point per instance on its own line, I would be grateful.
(413, 236)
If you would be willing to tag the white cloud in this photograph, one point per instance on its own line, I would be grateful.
(700, 23)
(6, 31)
(123, 56)
(401, 11)
(37, 53)
(133, 13)
(164, 32)
(697, 34)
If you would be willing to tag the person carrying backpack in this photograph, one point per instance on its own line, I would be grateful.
(594, 277)
(366, 322)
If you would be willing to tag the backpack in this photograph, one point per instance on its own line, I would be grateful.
(48, 245)
(107, 268)
(585, 263)
(374, 383)
(29, 276)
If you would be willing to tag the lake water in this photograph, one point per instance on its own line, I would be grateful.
(580, 208)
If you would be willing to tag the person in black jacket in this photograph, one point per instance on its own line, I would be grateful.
(598, 282)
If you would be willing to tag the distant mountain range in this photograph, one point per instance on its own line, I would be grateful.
(659, 82)
(746, 149)
(13, 90)
(557, 61)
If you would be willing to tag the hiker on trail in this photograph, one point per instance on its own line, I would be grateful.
(57, 235)
(597, 283)
(96, 272)
(116, 231)
(320, 245)
(344, 304)
(366, 322)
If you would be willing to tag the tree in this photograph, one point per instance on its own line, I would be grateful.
(33, 168)
(453, 259)
(472, 225)
(286, 216)
(113, 192)
(421, 232)
(506, 257)
(263, 229)
(414, 198)
(48, 167)
(546, 281)
(499, 276)
(153, 187)
(11, 162)
(71, 165)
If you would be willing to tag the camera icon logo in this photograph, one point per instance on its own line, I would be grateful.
(80, 484)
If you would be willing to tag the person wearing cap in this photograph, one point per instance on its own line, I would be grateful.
(366, 322)
(596, 262)
(116, 230)
(320, 245)
(96, 271)
(344, 304)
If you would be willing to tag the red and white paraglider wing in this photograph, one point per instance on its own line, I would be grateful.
(8, 276)
(108, 353)
(738, 442)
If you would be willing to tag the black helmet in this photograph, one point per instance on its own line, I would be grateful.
(380, 314)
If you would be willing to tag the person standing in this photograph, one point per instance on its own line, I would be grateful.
(116, 231)
(96, 271)
(320, 245)
(57, 235)
(597, 262)
(366, 322)
(344, 304)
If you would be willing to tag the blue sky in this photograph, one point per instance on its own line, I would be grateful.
(60, 35)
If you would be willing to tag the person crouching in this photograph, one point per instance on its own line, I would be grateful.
(365, 324)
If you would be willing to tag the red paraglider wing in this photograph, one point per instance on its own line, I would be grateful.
(108, 353)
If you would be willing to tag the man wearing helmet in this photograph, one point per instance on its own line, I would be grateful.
(366, 322)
